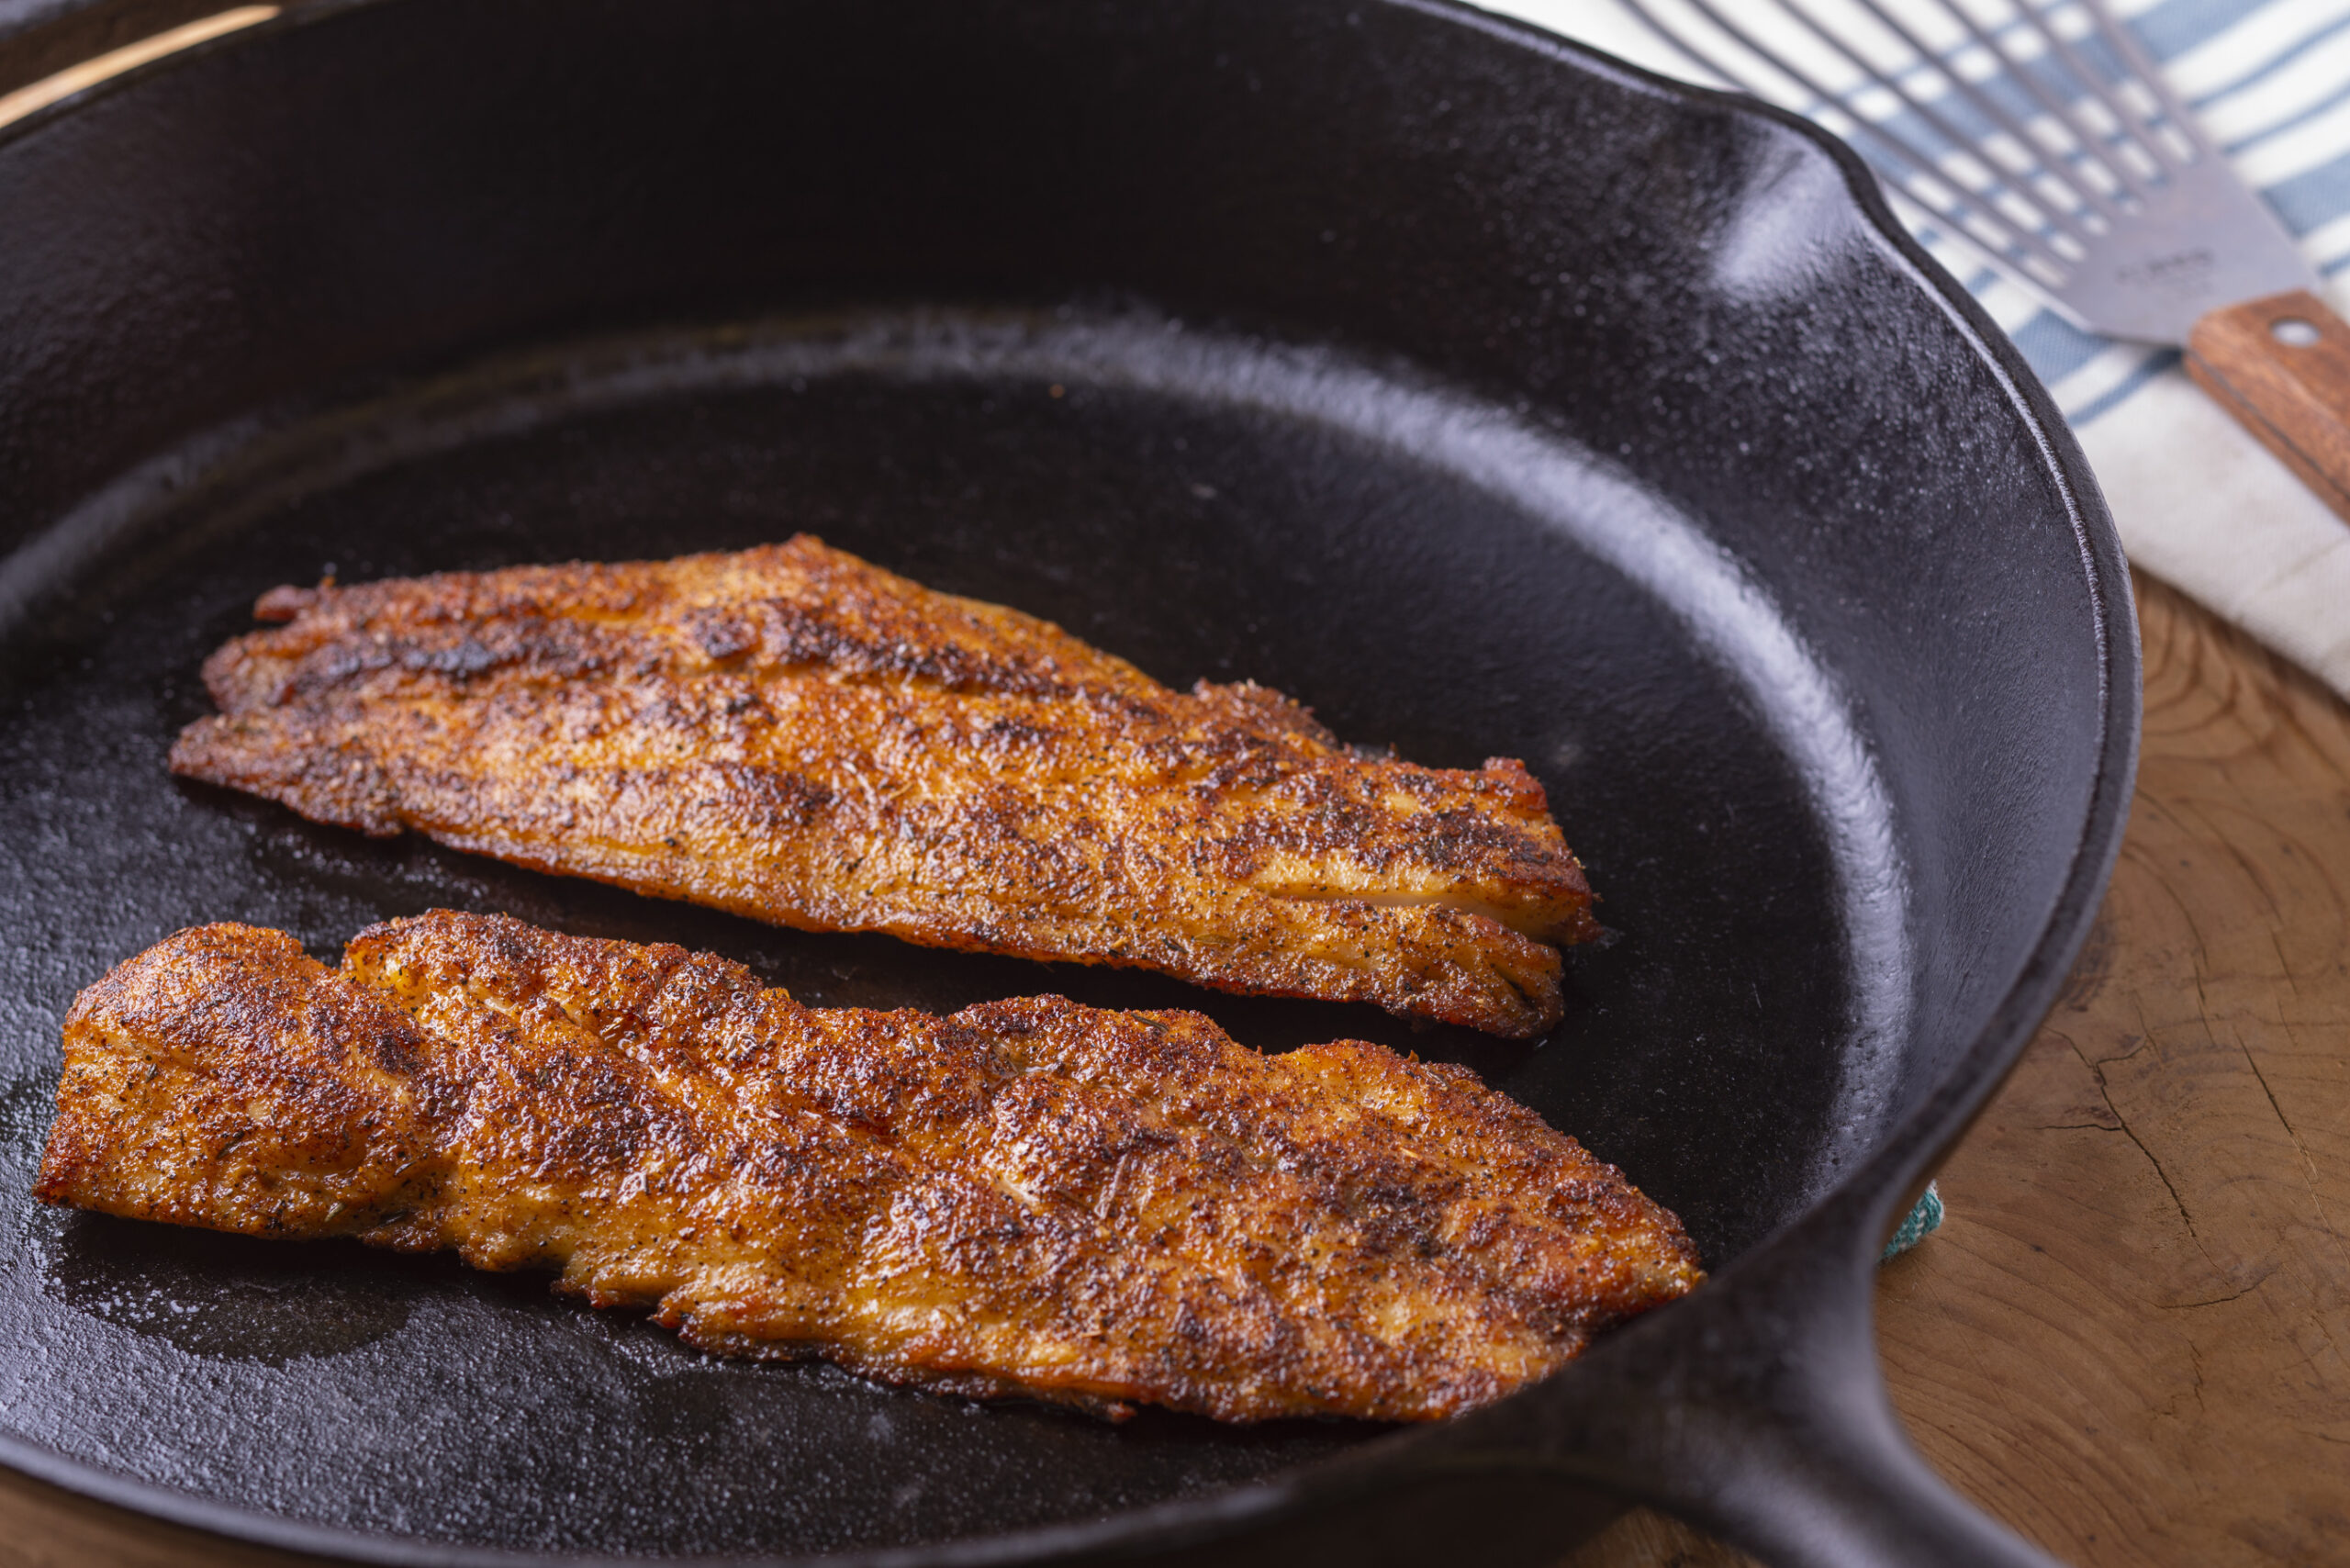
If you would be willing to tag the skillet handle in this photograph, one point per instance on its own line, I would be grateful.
(1755, 1410)
(37, 41)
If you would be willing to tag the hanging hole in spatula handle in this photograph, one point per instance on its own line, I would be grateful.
(2282, 365)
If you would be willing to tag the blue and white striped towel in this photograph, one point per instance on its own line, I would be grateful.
(2201, 504)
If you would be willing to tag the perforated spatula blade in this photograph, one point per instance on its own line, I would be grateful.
(2046, 137)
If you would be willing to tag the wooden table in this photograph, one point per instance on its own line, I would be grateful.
(2132, 1339)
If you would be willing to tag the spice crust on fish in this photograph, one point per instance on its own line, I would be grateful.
(792, 734)
(1029, 1197)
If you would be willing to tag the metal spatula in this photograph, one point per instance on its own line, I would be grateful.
(2049, 140)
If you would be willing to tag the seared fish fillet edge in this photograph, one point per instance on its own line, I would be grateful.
(794, 734)
(1029, 1197)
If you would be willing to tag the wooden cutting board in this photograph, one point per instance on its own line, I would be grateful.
(2132, 1339)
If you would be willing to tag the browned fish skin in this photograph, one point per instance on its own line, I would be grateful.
(1028, 1197)
(796, 735)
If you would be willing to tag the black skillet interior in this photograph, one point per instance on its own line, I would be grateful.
(1488, 399)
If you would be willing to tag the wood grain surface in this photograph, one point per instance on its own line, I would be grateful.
(2129, 1339)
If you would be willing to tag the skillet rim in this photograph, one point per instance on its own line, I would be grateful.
(1850, 1216)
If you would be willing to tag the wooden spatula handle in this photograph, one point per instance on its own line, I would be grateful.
(2282, 365)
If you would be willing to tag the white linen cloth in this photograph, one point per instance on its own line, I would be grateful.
(2199, 503)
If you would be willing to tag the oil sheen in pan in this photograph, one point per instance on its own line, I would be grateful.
(214, 516)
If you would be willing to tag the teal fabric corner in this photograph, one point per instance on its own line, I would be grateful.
(1925, 1217)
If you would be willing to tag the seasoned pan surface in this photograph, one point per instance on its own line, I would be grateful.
(1735, 535)
(1143, 508)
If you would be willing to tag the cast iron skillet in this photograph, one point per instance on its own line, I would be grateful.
(1487, 395)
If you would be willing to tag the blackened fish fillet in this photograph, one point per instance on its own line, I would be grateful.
(796, 735)
(1029, 1197)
